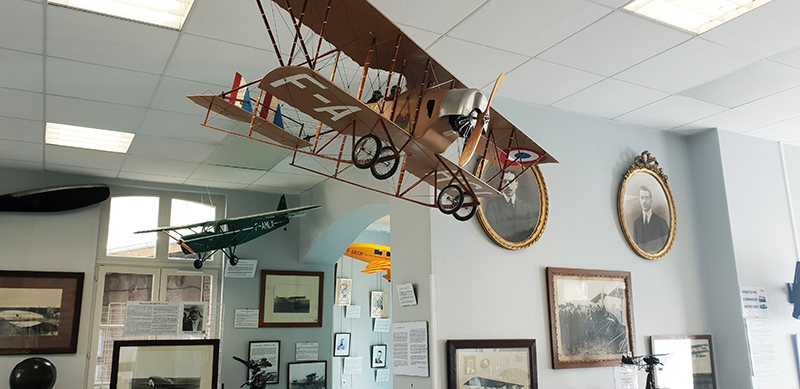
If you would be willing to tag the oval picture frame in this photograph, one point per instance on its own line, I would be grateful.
(645, 185)
(511, 234)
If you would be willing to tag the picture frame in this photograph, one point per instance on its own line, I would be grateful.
(344, 287)
(517, 226)
(163, 363)
(492, 363)
(51, 300)
(646, 209)
(591, 317)
(377, 304)
(689, 362)
(341, 344)
(377, 355)
(193, 320)
(291, 299)
(269, 350)
(308, 375)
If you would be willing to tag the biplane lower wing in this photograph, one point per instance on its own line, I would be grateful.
(439, 172)
(260, 125)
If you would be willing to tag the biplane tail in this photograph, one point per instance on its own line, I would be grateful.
(282, 203)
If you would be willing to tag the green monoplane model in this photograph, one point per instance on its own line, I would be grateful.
(209, 237)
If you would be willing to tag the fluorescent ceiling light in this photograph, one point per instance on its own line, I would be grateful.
(167, 13)
(697, 16)
(88, 138)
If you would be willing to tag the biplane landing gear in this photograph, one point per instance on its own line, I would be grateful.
(366, 151)
(384, 169)
(198, 264)
(450, 199)
(465, 211)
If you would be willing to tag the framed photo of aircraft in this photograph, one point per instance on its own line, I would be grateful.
(269, 350)
(39, 312)
(646, 208)
(691, 361)
(154, 364)
(591, 317)
(491, 363)
(291, 299)
(515, 220)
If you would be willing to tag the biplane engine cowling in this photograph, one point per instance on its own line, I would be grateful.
(462, 107)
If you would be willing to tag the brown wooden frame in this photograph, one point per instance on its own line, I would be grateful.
(654, 338)
(265, 285)
(171, 354)
(587, 360)
(489, 345)
(71, 286)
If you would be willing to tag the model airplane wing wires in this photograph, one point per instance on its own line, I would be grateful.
(225, 235)
(417, 124)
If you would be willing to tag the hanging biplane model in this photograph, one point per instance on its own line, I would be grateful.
(426, 109)
(207, 238)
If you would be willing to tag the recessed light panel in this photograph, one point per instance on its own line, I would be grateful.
(167, 13)
(88, 138)
(697, 16)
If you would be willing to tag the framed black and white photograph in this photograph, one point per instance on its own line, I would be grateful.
(341, 344)
(378, 356)
(515, 220)
(40, 312)
(267, 354)
(194, 317)
(688, 361)
(591, 317)
(343, 288)
(188, 364)
(377, 304)
(308, 375)
(491, 363)
(291, 299)
(646, 208)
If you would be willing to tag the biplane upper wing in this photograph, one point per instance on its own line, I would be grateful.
(509, 146)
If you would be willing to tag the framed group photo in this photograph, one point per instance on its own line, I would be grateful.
(269, 351)
(688, 361)
(646, 208)
(165, 363)
(290, 299)
(40, 312)
(591, 317)
(491, 363)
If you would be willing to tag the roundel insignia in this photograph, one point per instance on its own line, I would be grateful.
(519, 156)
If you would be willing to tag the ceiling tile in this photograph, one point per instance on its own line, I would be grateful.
(70, 156)
(423, 38)
(222, 20)
(158, 166)
(728, 120)
(269, 189)
(282, 180)
(81, 170)
(23, 165)
(764, 31)
(226, 174)
(95, 38)
(612, 3)
(215, 184)
(246, 158)
(780, 132)
(751, 83)
(21, 104)
(192, 61)
(544, 83)
(436, 16)
(21, 26)
(31, 131)
(99, 83)
(485, 63)
(686, 65)
(794, 121)
(21, 70)
(614, 43)
(610, 98)
(549, 21)
(171, 95)
(93, 114)
(174, 149)
(789, 58)
(780, 106)
(23, 151)
(151, 177)
(285, 166)
(674, 111)
(178, 126)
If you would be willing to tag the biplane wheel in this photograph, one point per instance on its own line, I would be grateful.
(385, 169)
(366, 151)
(233, 260)
(450, 199)
(466, 212)
(198, 264)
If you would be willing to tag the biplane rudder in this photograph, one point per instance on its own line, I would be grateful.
(282, 203)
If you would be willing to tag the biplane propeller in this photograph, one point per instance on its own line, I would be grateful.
(225, 235)
(407, 134)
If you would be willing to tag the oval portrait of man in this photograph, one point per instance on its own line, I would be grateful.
(647, 213)
(516, 219)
